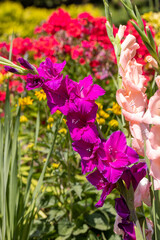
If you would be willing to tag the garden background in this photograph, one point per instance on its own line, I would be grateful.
(45, 195)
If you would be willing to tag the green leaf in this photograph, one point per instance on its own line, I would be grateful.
(37, 126)
(139, 19)
(65, 228)
(78, 190)
(81, 230)
(97, 220)
(138, 233)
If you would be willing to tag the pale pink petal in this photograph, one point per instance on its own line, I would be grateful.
(153, 143)
(155, 173)
(152, 115)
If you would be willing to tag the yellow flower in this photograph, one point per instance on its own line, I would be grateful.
(49, 126)
(23, 119)
(101, 121)
(40, 95)
(1, 78)
(113, 123)
(63, 130)
(116, 109)
(30, 145)
(25, 101)
(64, 120)
(58, 112)
(100, 106)
(50, 120)
(106, 115)
(55, 165)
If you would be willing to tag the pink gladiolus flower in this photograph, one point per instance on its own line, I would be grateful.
(133, 80)
(142, 193)
(133, 104)
(129, 42)
(121, 31)
(153, 143)
(152, 61)
(155, 173)
(140, 132)
(152, 115)
(149, 231)
(157, 79)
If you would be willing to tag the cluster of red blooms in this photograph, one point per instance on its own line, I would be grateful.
(84, 39)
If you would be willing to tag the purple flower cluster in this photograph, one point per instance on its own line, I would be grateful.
(111, 158)
(125, 225)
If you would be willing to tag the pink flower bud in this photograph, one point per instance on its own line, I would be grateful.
(158, 81)
(152, 61)
(128, 42)
(121, 31)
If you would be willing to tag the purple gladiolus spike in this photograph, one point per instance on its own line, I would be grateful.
(134, 174)
(25, 63)
(52, 72)
(11, 69)
(116, 157)
(60, 99)
(33, 81)
(97, 180)
(87, 90)
(128, 228)
(122, 208)
(80, 121)
(126, 225)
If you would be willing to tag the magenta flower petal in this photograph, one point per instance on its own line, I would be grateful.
(86, 90)
(25, 63)
(122, 208)
(117, 141)
(121, 160)
(88, 165)
(107, 190)
(112, 175)
(132, 155)
(134, 174)
(33, 81)
(128, 228)
(11, 69)
(87, 150)
(49, 70)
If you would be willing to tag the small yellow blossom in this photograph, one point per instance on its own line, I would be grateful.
(40, 95)
(101, 113)
(49, 126)
(106, 115)
(55, 165)
(50, 120)
(30, 145)
(116, 109)
(113, 123)
(23, 119)
(44, 160)
(101, 121)
(58, 112)
(25, 101)
(63, 130)
(1, 78)
(64, 120)
(100, 106)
